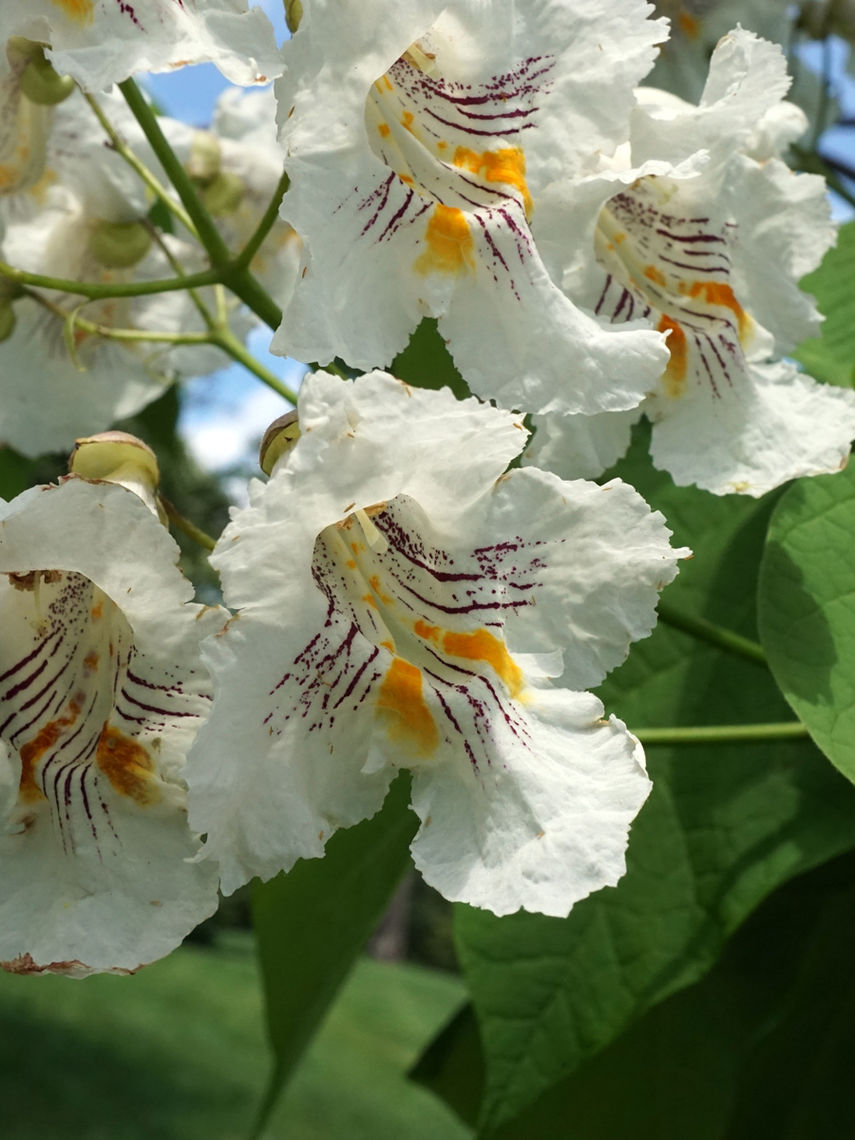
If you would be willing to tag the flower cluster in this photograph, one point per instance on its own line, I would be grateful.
(404, 593)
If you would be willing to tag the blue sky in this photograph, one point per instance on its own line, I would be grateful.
(225, 413)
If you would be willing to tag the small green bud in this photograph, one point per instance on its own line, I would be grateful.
(293, 14)
(278, 440)
(8, 320)
(119, 244)
(204, 161)
(223, 193)
(20, 50)
(41, 83)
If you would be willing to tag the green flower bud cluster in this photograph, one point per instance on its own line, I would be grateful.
(119, 245)
(38, 79)
(220, 190)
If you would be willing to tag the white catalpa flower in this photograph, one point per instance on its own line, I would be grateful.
(99, 42)
(705, 234)
(403, 603)
(54, 391)
(49, 395)
(101, 693)
(418, 138)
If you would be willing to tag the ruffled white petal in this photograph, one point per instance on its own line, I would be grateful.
(403, 603)
(101, 694)
(750, 439)
(493, 836)
(414, 184)
(580, 447)
(706, 241)
(47, 402)
(100, 42)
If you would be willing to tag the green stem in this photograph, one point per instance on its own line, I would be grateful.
(722, 733)
(244, 285)
(264, 226)
(713, 634)
(231, 273)
(97, 291)
(201, 308)
(106, 331)
(208, 233)
(153, 183)
(184, 524)
(229, 343)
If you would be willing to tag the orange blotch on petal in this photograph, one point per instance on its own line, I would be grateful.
(506, 165)
(716, 293)
(428, 632)
(481, 645)
(127, 766)
(653, 274)
(450, 248)
(81, 11)
(409, 720)
(384, 129)
(675, 374)
(33, 751)
(374, 583)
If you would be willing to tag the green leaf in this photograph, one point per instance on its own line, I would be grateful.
(452, 1066)
(807, 609)
(723, 827)
(312, 923)
(831, 357)
(427, 363)
(761, 1047)
(18, 473)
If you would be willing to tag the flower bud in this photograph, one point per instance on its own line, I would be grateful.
(204, 161)
(119, 244)
(293, 14)
(118, 457)
(41, 83)
(223, 193)
(20, 50)
(278, 440)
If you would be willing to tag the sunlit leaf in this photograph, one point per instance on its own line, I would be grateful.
(806, 607)
(427, 363)
(723, 828)
(831, 357)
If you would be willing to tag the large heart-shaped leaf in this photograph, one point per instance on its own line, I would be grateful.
(723, 827)
(806, 609)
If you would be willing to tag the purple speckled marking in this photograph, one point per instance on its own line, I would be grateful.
(61, 663)
(667, 241)
(343, 666)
